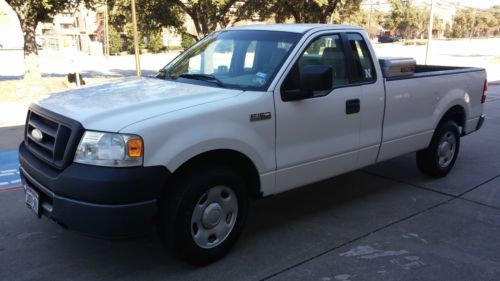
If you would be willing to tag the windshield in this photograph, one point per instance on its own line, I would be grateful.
(238, 59)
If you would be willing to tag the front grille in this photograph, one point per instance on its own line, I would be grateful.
(58, 137)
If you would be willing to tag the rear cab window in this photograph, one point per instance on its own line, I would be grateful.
(363, 68)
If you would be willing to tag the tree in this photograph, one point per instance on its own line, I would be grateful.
(462, 23)
(478, 22)
(208, 15)
(407, 19)
(447, 31)
(307, 11)
(115, 41)
(484, 20)
(30, 13)
(187, 41)
(152, 17)
(154, 42)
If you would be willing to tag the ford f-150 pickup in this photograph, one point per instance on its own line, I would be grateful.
(246, 112)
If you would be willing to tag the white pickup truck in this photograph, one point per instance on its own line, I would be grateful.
(246, 112)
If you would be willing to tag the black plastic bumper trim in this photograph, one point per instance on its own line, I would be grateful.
(99, 201)
(100, 220)
(96, 184)
(480, 122)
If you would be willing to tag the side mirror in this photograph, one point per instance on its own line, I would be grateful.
(312, 78)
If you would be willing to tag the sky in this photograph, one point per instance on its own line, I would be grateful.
(480, 3)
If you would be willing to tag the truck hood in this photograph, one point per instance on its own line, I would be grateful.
(113, 106)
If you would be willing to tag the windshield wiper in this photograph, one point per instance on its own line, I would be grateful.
(203, 77)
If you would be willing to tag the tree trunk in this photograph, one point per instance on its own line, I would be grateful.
(31, 64)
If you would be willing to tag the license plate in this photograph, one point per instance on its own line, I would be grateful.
(33, 200)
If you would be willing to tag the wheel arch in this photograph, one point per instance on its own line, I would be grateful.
(456, 114)
(232, 159)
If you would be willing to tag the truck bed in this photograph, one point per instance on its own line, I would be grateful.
(415, 103)
(435, 70)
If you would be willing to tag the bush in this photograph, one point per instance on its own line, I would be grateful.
(115, 41)
(174, 48)
(154, 43)
(187, 41)
(130, 39)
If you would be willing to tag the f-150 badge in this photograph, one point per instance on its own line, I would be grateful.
(260, 116)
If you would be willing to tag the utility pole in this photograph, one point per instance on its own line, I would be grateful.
(136, 40)
(370, 20)
(429, 35)
(106, 32)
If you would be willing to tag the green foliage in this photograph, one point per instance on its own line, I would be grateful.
(152, 17)
(208, 15)
(154, 42)
(36, 11)
(130, 39)
(115, 41)
(187, 41)
(478, 22)
(448, 31)
(462, 23)
(407, 19)
(306, 11)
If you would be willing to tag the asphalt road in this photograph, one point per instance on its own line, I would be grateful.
(385, 222)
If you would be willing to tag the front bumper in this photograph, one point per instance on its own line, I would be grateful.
(99, 201)
(480, 122)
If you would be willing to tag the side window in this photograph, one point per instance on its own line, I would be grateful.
(216, 59)
(364, 71)
(325, 50)
(222, 56)
(250, 56)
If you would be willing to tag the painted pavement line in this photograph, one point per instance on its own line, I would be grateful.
(9, 170)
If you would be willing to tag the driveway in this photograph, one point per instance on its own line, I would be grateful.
(385, 222)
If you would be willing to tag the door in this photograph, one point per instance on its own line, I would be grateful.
(317, 137)
(364, 76)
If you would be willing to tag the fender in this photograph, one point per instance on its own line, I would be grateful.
(173, 139)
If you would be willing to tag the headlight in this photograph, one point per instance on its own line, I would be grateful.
(109, 149)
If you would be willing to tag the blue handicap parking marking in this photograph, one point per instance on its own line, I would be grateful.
(9, 170)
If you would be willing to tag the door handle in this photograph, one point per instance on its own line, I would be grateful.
(352, 106)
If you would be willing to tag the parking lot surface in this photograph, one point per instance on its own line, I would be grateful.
(385, 222)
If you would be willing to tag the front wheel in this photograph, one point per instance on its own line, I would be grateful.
(204, 215)
(438, 159)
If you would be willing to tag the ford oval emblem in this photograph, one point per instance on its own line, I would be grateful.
(37, 135)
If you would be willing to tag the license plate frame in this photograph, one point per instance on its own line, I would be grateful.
(32, 200)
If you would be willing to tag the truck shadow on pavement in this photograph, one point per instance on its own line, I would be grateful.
(281, 230)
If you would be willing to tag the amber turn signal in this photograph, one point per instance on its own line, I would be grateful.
(134, 146)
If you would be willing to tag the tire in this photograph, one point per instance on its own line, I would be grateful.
(203, 216)
(438, 159)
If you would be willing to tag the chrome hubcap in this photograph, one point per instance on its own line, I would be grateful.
(214, 216)
(446, 149)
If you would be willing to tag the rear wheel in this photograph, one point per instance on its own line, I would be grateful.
(204, 215)
(438, 159)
